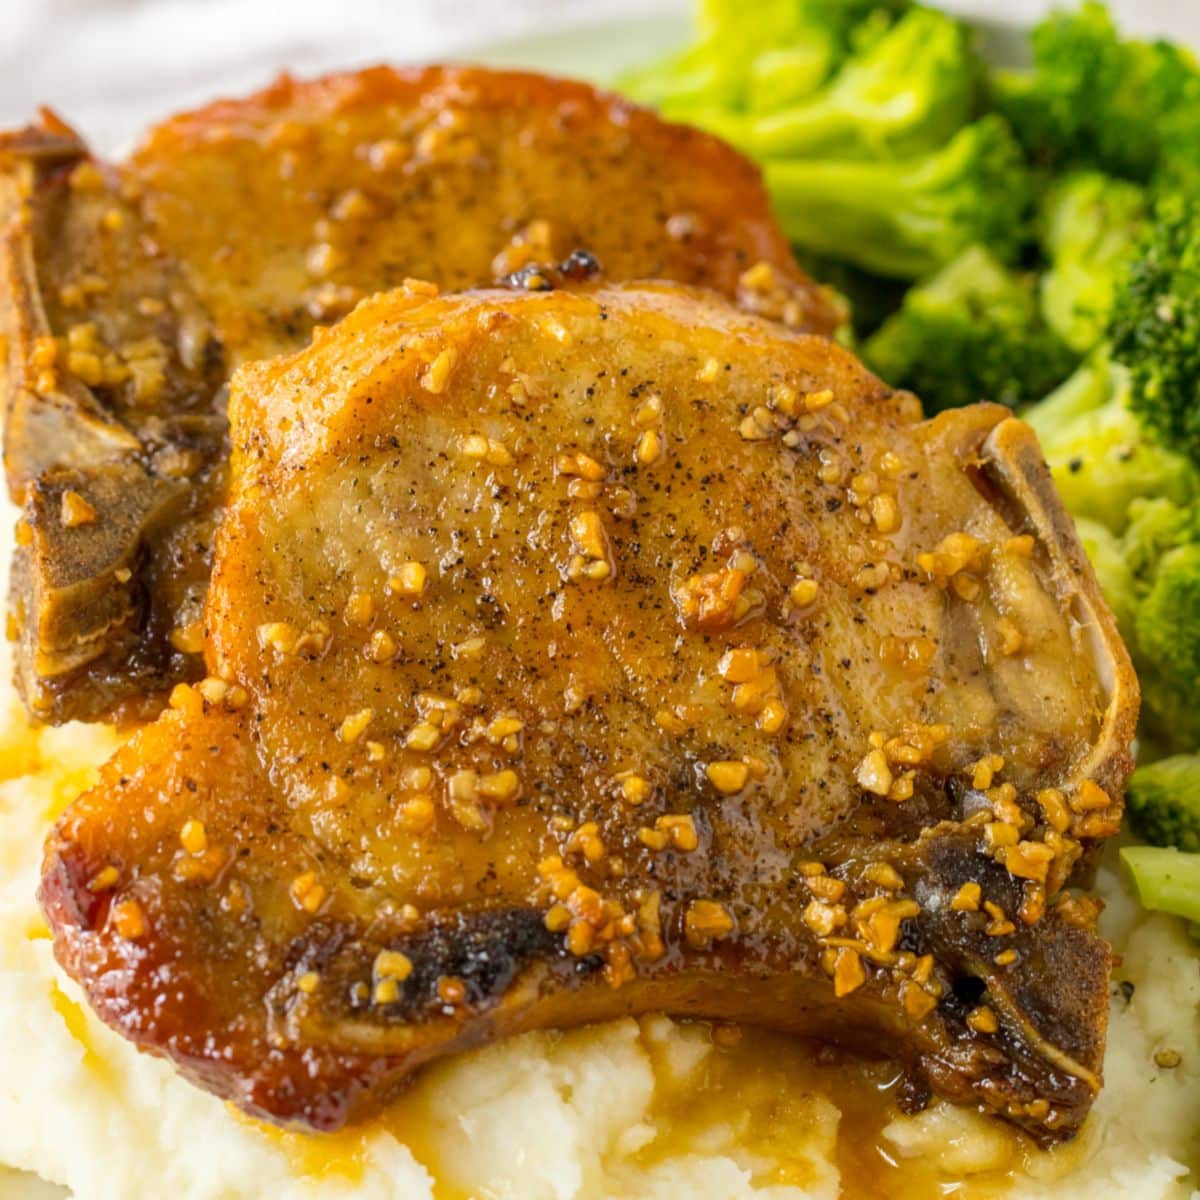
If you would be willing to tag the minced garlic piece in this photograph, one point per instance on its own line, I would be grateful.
(983, 1020)
(417, 814)
(956, 552)
(1054, 809)
(649, 412)
(386, 991)
(355, 725)
(873, 773)
(76, 510)
(649, 448)
(411, 580)
(706, 921)
(557, 918)
(104, 880)
(1029, 860)
(711, 601)
(1090, 797)
(187, 639)
(360, 608)
(307, 892)
(128, 920)
(984, 771)
(485, 449)
(728, 778)
(392, 964)
(382, 647)
(193, 837)
(803, 592)
(279, 635)
(884, 875)
(680, 829)
(576, 464)
(823, 918)
(635, 790)
(423, 736)
(848, 973)
(501, 786)
(1010, 638)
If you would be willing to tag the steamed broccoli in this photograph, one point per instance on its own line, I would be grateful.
(1090, 224)
(910, 217)
(785, 52)
(1098, 452)
(715, 70)
(1106, 552)
(1166, 880)
(1132, 570)
(1093, 99)
(906, 94)
(1162, 545)
(1155, 326)
(1151, 577)
(972, 332)
(1163, 802)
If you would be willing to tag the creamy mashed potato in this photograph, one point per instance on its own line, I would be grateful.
(647, 1110)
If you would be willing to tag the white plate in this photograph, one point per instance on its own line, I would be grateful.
(595, 50)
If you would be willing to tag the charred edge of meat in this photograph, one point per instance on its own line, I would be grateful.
(1046, 1052)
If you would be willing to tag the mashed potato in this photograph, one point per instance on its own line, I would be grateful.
(650, 1109)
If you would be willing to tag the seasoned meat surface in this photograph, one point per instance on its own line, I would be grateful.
(129, 292)
(587, 652)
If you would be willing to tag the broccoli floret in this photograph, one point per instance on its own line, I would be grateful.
(787, 75)
(714, 71)
(910, 217)
(972, 332)
(1090, 225)
(1162, 551)
(1155, 326)
(1099, 454)
(1163, 802)
(1167, 648)
(906, 94)
(1179, 165)
(783, 54)
(1093, 99)
(1166, 880)
(1107, 555)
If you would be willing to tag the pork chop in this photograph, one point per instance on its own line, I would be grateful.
(582, 653)
(129, 292)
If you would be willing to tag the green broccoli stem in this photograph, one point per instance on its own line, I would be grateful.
(1090, 387)
(906, 94)
(854, 211)
(782, 77)
(907, 218)
(1166, 880)
(1163, 801)
(804, 131)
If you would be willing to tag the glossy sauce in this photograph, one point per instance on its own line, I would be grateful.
(758, 1098)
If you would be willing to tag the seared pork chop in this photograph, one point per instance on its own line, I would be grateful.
(584, 653)
(128, 294)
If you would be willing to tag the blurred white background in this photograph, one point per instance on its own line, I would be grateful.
(112, 66)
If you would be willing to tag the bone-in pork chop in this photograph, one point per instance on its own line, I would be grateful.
(129, 292)
(582, 653)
